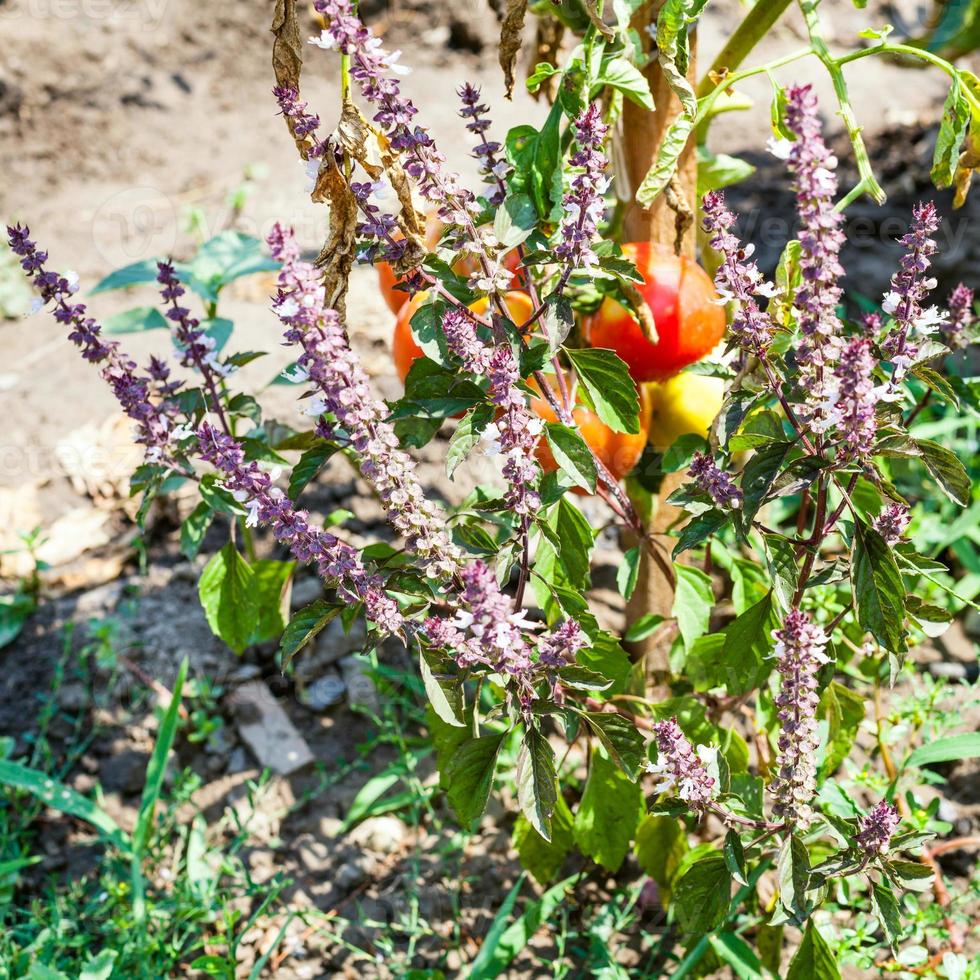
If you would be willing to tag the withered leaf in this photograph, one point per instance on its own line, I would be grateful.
(287, 58)
(592, 9)
(511, 31)
(683, 214)
(336, 258)
(969, 161)
(371, 149)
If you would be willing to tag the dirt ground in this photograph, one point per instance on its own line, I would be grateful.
(115, 119)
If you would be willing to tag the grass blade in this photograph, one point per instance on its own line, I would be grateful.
(58, 796)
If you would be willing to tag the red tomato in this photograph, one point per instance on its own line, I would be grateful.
(682, 298)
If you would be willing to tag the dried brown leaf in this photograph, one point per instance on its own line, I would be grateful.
(287, 59)
(336, 258)
(592, 9)
(968, 162)
(683, 214)
(371, 149)
(511, 31)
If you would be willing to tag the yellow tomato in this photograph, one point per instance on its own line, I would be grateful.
(682, 404)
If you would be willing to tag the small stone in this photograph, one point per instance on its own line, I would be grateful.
(237, 760)
(329, 827)
(243, 673)
(324, 692)
(349, 876)
(73, 696)
(124, 771)
(267, 730)
(381, 834)
(306, 589)
(361, 692)
(314, 854)
(331, 645)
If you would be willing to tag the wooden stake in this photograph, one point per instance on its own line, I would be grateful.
(644, 132)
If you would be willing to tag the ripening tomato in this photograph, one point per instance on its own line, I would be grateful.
(685, 308)
(682, 404)
(618, 451)
(405, 350)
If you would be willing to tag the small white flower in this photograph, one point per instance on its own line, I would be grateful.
(491, 439)
(312, 168)
(296, 375)
(37, 304)
(287, 309)
(314, 407)
(890, 303)
(71, 277)
(391, 63)
(253, 513)
(325, 41)
(780, 148)
(520, 620)
(930, 320)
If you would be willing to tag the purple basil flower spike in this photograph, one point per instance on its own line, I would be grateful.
(877, 828)
(486, 631)
(738, 280)
(813, 168)
(144, 398)
(678, 768)
(800, 652)
(583, 203)
(516, 430)
(910, 286)
(336, 561)
(857, 398)
(492, 168)
(340, 389)
(560, 647)
(372, 69)
(959, 330)
(892, 522)
(715, 482)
